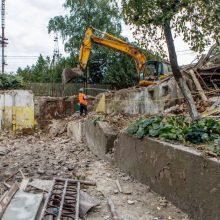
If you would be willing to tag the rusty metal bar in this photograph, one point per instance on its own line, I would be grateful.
(62, 201)
(88, 183)
(46, 202)
(77, 201)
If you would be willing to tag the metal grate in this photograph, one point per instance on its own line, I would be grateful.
(63, 201)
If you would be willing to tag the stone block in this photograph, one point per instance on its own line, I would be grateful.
(75, 130)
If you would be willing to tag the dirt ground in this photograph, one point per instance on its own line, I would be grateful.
(43, 157)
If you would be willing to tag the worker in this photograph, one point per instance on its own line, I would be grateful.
(82, 102)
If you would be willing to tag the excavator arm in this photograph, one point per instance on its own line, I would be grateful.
(109, 42)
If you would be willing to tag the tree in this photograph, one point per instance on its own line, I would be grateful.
(9, 81)
(121, 76)
(43, 72)
(103, 15)
(40, 72)
(156, 21)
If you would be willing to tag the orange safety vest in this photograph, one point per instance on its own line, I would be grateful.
(82, 99)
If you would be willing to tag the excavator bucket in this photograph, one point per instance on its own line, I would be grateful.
(71, 73)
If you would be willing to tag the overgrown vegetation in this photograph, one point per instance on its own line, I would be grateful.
(8, 81)
(177, 128)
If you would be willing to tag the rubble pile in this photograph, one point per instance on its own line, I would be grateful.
(41, 159)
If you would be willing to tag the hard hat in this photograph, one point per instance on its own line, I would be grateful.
(81, 89)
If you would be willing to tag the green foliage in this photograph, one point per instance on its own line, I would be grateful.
(121, 72)
(102, 14)
(197, 21)
(42, 71)
(10, 82)
(177, 128)
(105, 65)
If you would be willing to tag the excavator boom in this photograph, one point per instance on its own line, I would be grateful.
(114, 43)
(109, 42)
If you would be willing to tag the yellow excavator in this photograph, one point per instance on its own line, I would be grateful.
(149, 71)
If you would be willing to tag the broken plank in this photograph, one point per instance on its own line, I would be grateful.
(210, 112)
(7, 198)
(198, 86)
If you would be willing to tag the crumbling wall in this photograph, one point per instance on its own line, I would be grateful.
(16, 109)
(48, 108)
(150, 100)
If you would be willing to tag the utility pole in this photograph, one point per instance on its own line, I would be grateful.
(55, 60)
(3, 39)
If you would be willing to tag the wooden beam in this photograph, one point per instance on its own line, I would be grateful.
(198, 86)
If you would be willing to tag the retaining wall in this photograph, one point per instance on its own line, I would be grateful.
(179, 173)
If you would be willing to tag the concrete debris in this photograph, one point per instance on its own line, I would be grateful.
(3, 151)
(44, 185)
(163, 202)
(57, 127)
(52, 154)
(131, 202)
(86, 203)
(40, 171)
(113, 209)
(23, 206)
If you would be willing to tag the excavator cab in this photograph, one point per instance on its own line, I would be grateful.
(152, 72)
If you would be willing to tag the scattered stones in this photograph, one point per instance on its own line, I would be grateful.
(163, 202)
(45, 158)
(115, 191)
(130, 202)
(3, 151)
(40, 171)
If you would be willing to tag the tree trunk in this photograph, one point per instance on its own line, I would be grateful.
(178, 75)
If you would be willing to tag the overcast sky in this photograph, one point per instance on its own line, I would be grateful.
(26, 30)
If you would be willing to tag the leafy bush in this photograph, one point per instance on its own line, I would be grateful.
(10, 82)
(177, 128)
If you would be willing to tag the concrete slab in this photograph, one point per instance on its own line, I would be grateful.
(75, 130)
(100, 137)
(23, 206)
(179, 173)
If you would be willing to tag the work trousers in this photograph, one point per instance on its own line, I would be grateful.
(83, 109)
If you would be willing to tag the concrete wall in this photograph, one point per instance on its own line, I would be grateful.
(16, 109)
(149, 100)
(100, 137)
(76, 130)
(181, 174)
